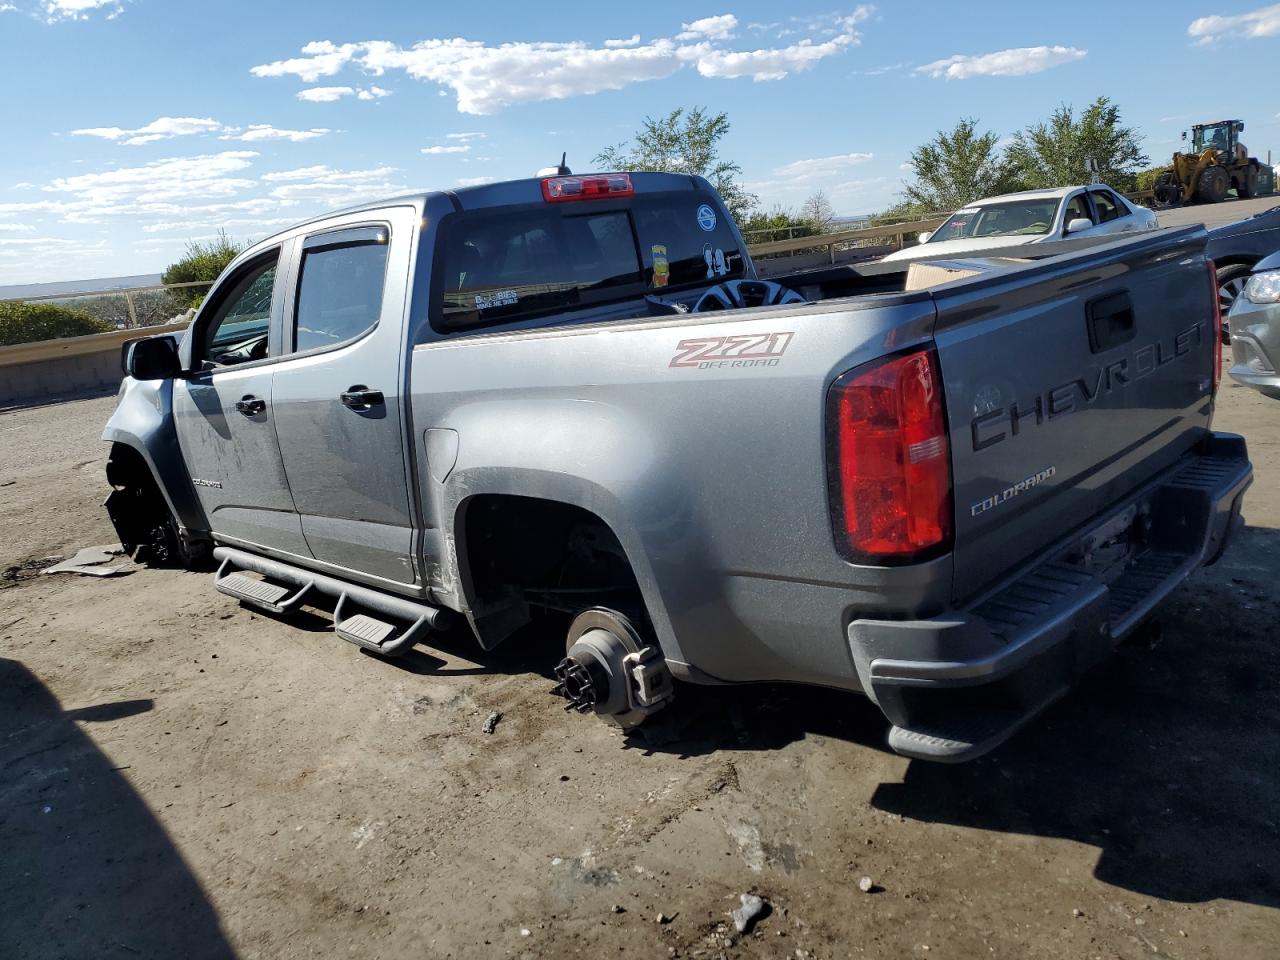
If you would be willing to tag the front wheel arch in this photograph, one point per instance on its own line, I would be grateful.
(141, 515)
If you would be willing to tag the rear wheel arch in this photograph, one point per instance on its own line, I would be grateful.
(519, 557)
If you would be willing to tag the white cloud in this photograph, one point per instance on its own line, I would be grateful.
(709, 28)
(792, 182)
(820, 168)
(1263, 22)
(320, 58)
(325, 94)
(180, 226)
(330, 94)
(631, 41)
(162, 128)
(465, 136)
(15, 227)
(8, 8)
(55, 10)
(474, 181)
(433, 151)
(487, 78)
(131, 190)
(323, 172)
(325, 185)
(1016, 62)
(264, 131)
(771, 64)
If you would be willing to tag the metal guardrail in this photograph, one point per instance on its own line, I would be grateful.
(847, 238)
(39, 351)
(127, 307)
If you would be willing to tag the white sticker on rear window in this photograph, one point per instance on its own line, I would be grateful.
(496, 298)
(706, 218)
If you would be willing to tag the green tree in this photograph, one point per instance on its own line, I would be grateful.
(956, 167)
(1055, 154)
(29, 322)
(684, 141)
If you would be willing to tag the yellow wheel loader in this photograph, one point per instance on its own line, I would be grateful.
(1218, 162)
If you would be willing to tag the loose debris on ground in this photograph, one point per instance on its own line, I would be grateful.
(91, 562)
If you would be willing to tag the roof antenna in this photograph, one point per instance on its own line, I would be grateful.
(560, 171)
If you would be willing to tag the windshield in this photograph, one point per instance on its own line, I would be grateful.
(1015, 218)
(1215, 136)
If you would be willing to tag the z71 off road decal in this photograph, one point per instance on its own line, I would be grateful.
(743, 350)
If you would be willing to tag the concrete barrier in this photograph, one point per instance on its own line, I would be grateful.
(31, 372)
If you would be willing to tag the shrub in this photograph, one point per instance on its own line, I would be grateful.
(1146, 179)
(776, 224)
(203, 261)
(29, 322)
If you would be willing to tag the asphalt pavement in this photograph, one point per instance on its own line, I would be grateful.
(1216, 214)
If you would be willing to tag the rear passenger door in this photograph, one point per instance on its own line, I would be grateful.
(338, 395)
(1112, 215)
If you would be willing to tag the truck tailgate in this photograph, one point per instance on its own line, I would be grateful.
(1069, 383)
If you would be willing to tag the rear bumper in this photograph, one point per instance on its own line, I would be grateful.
(959, 684)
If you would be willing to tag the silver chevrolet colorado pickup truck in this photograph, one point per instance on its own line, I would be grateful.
(572, 397)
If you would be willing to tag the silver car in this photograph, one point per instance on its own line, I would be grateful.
(1032, 216)
(1255, 329)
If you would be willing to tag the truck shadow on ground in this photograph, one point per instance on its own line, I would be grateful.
(88, 871)
(1166, 757)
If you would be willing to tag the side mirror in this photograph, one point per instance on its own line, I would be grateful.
(1077, 224)
(1240, 127)
(1184, 134)
(152, 358)
(923, 237)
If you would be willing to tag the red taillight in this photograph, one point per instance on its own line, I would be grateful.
(594, 187)
(890, 461)
(1217, 325)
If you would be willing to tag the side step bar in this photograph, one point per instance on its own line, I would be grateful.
(378, 622)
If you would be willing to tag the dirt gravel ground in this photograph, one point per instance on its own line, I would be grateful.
(180, 777)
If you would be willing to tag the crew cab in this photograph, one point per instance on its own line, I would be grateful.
(571, 398)
(1032, 216)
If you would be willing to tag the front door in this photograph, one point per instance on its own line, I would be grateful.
(338, 396)
(223, 413)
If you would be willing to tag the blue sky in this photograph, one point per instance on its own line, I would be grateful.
(133, 126)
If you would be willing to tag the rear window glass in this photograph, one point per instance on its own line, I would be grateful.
(699, 242)
(506, 265)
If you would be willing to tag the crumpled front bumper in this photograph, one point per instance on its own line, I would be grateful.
(957, 685)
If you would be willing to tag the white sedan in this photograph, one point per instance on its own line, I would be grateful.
(1033, 216)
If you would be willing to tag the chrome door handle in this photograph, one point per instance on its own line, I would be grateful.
(361, 397)
(250, 405)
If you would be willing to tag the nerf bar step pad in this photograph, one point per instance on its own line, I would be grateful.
(366, 617)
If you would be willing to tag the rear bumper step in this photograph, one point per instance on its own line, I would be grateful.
(379, 622)
(957, 685)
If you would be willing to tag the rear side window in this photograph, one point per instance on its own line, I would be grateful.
(339, 295)
(508, 265)
(1108, 207)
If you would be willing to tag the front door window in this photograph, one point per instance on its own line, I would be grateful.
(238, 330)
